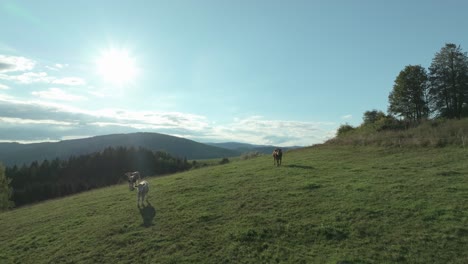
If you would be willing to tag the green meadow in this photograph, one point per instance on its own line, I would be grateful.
(325, 204)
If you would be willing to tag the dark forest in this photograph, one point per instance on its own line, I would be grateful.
(57, 178)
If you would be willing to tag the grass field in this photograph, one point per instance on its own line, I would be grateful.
(327, 204)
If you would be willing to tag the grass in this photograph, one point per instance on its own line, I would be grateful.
(430, 133)
(328, 204)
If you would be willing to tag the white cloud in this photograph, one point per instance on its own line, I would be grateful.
(29, 77)
(19, 69)
(151, 119)
(13, 63)
(258, 130)
(30, 141)
(42, 77)
(56, 67)
(4, 87)
(347, 117)
(57, 94)
(66, 121)
(33, 121)
(70, 81)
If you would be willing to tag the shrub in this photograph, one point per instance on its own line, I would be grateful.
(344, 129)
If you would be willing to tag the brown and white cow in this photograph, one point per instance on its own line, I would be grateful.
(134, 181)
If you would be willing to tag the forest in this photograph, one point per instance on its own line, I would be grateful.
(57, 178)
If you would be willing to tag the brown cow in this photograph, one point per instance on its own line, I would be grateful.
(277, 155)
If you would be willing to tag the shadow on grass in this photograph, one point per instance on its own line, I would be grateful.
(147, 214)
(299, 166)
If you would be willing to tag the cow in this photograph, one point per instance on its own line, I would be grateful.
(277, 156)
(142, 186)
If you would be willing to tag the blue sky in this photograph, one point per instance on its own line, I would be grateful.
(261, 72)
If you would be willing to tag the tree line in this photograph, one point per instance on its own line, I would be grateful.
(5, 190)
(441, 92)
(57, 178)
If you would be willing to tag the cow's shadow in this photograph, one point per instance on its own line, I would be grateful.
(148, 213)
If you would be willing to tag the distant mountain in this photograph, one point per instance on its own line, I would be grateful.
(15, 153)
(244, 147)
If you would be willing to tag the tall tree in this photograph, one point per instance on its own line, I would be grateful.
(409, 97)
(448, 76)
(5, 190)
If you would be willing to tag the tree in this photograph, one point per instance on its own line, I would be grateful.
(448, 76)
(371, 117)
(409, 97)
(5, 190)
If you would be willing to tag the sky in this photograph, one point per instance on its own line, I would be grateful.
(285, 73)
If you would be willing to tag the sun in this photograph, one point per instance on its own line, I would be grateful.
(117, 66)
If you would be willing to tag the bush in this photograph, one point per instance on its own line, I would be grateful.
(390, 123)
(344, 129)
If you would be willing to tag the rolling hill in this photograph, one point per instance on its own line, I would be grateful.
(326, 204)
(14, 153)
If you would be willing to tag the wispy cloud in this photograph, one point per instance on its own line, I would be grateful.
(276, 132)
(347, 117)
(57, 121)
(99, 122)
(56, 67)
(29, 77)
(33, 121)
(151, 120)
(20, 70)
(14, 63)
(72, 81)
(4, 87)
(42, 77)
(57, 94)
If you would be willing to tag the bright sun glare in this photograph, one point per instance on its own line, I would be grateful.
(116, 66)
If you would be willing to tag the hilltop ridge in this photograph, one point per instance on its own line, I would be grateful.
(15, 153)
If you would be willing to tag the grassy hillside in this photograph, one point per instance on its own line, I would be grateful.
(329, 204)
(430, 133)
